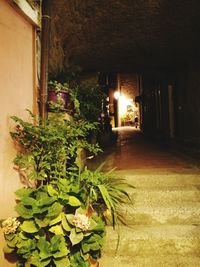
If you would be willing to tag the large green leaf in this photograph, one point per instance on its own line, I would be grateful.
(29, 227)
(59, 246)
(55, 242)
(94, 246)
(44, 247)
(12, 242)
(10, 236)
(24, 192)
(62, 252)
(23, 211)
(36, 261)
(57, 230)
(29, 201)
(56, 220)
(42, 222)
(92, 225)
(64, 262)
(66, 226)
(85, 247)
(46, 201)
(26, 246)
(70, 218)
(75, 238)
(54, 210)
(51, 190)
(74, 201)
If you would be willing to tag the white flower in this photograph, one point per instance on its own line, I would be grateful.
(81, 221)
(10, 225)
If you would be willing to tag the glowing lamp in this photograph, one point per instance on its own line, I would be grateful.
(116, 95)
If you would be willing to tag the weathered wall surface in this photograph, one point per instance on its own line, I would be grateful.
(188, 105)
(16, 94)
(122, 34)
(129, 84)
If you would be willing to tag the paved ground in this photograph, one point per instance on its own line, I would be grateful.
(164, 221)
(133, 151)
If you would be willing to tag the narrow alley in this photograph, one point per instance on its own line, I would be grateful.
(125, 73)
(163, 222)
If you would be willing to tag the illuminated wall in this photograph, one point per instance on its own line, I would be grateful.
(129, 89)
(17, 81)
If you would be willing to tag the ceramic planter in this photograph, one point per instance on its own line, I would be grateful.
(59, 100)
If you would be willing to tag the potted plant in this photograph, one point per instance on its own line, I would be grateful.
(62, 209)
(59, 97)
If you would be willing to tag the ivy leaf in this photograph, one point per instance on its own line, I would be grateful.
(74, 201)
(75, 238)
(29, 227)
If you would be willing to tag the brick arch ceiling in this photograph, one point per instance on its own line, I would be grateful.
(119, 34)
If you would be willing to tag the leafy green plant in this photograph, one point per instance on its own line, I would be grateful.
(62, 209)
(91, 99)
(58, 87)
(64, 97)
(106, 193)
(50, 146)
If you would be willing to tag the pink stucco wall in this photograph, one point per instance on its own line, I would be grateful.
(16, 94)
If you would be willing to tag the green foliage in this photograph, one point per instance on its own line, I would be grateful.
(70, 92)
(62, 208)
(58, 87)
(50, 146)
(90, 98)
(106, 192)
